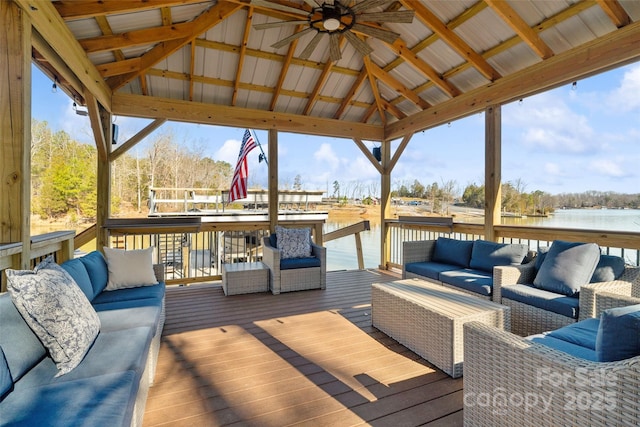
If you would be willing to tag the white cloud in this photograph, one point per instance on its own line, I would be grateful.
(552, 169)
(326, 154)
(228, 152)
(607, 167)
(627, 97)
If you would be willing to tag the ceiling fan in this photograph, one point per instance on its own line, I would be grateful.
(336, 18)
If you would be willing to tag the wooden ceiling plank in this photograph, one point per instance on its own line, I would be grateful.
(224, 115)
(242, 56)
(46, 20)
(79, 9)
(349, 96)
(397, 86)
(286, 63)
(429, 19)
(201, 24)
(615, 12)
(526, 33)
(583, 61)
(105, 27)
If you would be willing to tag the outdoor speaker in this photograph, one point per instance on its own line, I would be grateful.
(376, 153)
(114, 134)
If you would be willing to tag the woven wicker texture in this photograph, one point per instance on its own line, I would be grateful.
(294, 279)
(245, 278)
(428, 319)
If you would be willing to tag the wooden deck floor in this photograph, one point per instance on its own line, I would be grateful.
(302, 358)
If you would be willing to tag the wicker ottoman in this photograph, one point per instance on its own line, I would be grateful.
(428, 319)
(245, 278)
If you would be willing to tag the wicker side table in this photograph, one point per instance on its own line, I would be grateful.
(428, 319)
(245, 278)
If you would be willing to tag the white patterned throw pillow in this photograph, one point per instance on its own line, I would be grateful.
(56, 309)
(294, 242)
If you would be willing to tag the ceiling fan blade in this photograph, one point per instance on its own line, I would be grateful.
(306, 53)
(368, 4)
(363, 48)
(313, 3)
(379, 33)
(268, 25)
(400, 16)
(269, 5)
(334, 47)
(292, 37)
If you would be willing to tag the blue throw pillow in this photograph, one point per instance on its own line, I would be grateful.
(541, 255)
(6, 382)
(567, 266)
(619, 334)
(78, 271)
(98, 271)
(485, 254)
(452, 251)
(609, 268)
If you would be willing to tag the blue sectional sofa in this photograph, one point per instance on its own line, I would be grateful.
(465, 265)
(109, 386)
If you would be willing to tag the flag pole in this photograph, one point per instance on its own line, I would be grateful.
(262, 155)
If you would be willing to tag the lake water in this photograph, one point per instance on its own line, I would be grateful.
(341, 253)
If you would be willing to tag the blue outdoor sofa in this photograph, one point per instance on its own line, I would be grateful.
(109, 385)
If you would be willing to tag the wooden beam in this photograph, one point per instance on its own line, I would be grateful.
(615, 12)
(399, 151)
(526, 33)
(354, 88)
(105, 27)
(201, 24)
(591, 58)
(397, 86)
(242, 55)
(367, 154)
(102, 145)
(131, 142)
(373, 84)
(47, 22)
(385, 206)
(66, 74)
(79, 9)
(272, 148)
(15, 130)
(284, 70)
(492, 170)
(195, 112)
(313, 96)
(452, 39)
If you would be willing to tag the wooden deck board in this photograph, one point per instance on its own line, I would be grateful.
(301, 358)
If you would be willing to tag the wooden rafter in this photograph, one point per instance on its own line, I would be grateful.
(102, 22)
(616, 12)
(374, 88)
(352, 91)
(96, 126)
(452, 39)
(396, 85)
(206, 20)
(192, 66)
(131, 142)
(313, 96)
(393, 110)
(78, 9)
(241, 57)
(526, 33)
(283, 72)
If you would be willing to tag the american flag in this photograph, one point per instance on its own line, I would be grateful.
(240, 176)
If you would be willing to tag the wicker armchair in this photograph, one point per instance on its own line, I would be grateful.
(509, 381)
(627, 286)
(294, 279)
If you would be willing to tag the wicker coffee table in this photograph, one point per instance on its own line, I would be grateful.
(245, 278)
(428, 319)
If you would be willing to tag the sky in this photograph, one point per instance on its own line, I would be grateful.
(576, 138)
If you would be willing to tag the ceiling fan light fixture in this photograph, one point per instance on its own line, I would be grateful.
(331, 15)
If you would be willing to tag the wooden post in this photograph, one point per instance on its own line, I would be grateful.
(273, 179)
(492, 170)
(15, 129)
(385, 204)
(103, 211)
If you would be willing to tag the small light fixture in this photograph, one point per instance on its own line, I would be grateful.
(54, 87)
(331, 17)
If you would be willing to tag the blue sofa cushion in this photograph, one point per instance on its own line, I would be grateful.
(293, 263)
(22, 348)
(98, 271)
(113, 351)
(619, 334)
(485, 255)
(78, 271)
(143, 292)
(564, 346)
(6, 381)
(429, 269)
(55, 308)
(127, 318)
(549, 301)
(124, 304)
(476, 281)
(581, 333)
(567, 266)
(610, 267)
(100, 401)
(452, 251)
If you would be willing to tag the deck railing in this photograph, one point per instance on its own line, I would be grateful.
(624, 244)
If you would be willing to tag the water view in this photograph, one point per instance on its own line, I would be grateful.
(341, 253)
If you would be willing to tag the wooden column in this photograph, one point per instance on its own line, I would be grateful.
(492, 170)
(385, 204)
(103, 211)
(15, 129)
(273, 180)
